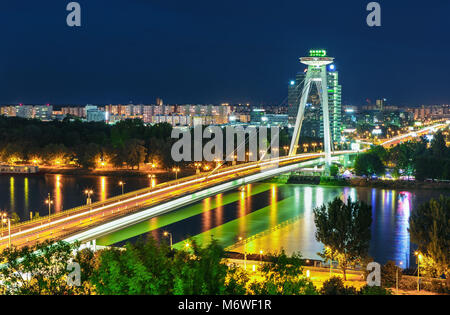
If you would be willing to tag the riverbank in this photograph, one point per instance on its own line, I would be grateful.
(118, 173)
(373, 183)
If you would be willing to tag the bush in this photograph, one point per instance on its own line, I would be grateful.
(366, 290)
(335, 286)
(435, 286)
(389, 274)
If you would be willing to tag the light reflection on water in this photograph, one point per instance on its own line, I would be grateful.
(281, 216)
(251, 213)
(24, 194)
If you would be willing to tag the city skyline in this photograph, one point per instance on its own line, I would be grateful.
(216, 53)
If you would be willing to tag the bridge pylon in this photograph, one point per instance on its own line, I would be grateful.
(316, 74)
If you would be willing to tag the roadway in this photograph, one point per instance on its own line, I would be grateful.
(63, 225)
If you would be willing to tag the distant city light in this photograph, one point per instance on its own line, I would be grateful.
(332, 67)
(292, 82)
(377, 131)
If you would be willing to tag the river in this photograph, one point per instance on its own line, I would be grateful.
(269, 216)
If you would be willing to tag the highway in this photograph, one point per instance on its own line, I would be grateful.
(70, 222)
(411, 135)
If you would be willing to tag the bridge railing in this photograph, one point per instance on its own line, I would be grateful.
(109, 201)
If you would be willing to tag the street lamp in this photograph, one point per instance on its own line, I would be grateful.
(396, 276)
(3, 216)
(176, 170)
(170, 239)
(88, 193)
(260, 255)
(49, 201)
(121, 183)
(198, 166)
(419, 258)
(245, 253)
(4, 220)
(331, 261)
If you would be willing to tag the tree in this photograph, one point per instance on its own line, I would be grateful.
(335, 286)
(37, 270)
(134, 152)
(344, 228)
(200, 272)
(88, 154)
(438, 146)
(430, 230)
(283, 275)
(142, 268)
(334, 170)
(369, 164)
(389, 272)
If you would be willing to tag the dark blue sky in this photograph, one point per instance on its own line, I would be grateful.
(219, 51)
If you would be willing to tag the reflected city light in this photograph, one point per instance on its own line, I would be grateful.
(12, 200)
(403, 213)
(219, 210)
(57, 194)
(273, 206)
(103, 189)
(206, 214)
(26, 194)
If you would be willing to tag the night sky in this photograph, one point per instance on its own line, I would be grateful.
(219, 51)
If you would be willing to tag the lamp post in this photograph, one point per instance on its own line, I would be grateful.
(198, 166)
(331, 261)
(245, 254)
(4, 220)
(170, 239)
(121, 183)
(176, 170)
(419, 258)
(3, 216)
(49, 202)
(88, 193)
(396, 276)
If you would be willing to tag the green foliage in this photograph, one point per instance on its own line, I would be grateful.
(143, 268)
(367, 290)
(146, 268)
(200, 272)
(389, 274)
(344, 228)
(335, 286)
(430, 230)
(414, 158)
(334, 170)
(368, 164)
(37, 270)
(130, 142)
(283, 276)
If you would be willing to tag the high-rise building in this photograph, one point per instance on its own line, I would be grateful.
(43, 112)
(313, 116)
(334, 104)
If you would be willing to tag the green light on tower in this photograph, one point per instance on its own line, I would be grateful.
(318, 53)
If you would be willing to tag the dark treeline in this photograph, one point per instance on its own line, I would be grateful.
(125, 144)
(422, 159)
